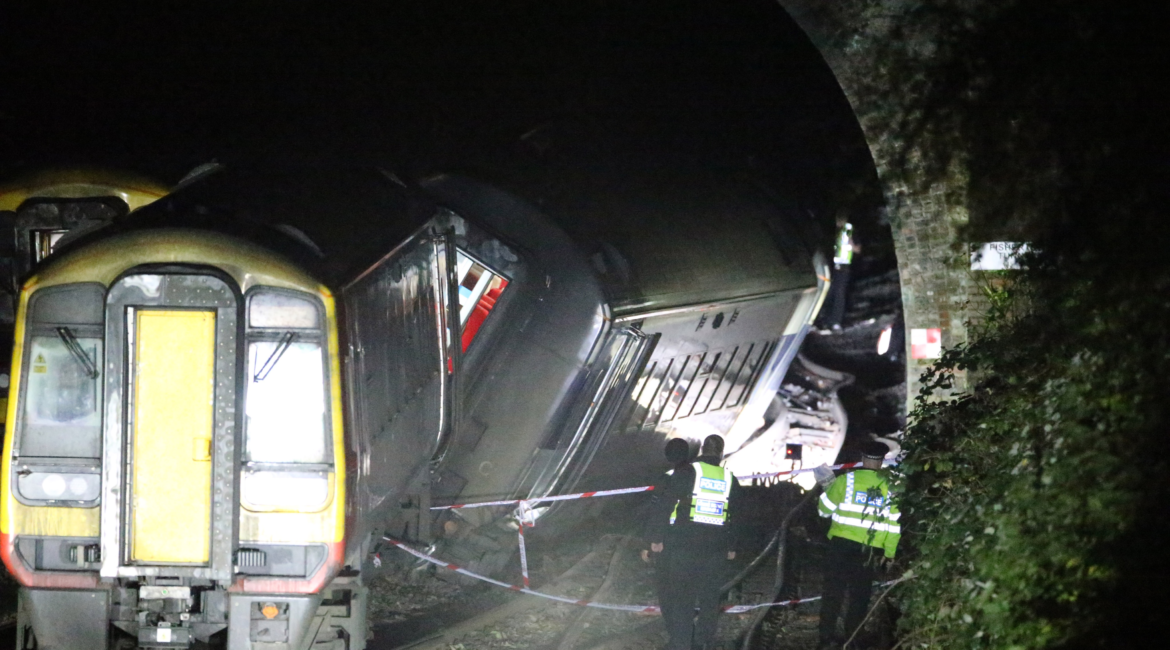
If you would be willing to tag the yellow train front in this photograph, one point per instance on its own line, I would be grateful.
(174, 467)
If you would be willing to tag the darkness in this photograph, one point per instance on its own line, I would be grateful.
(508, 91)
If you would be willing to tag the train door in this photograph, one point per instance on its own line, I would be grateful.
(604, 405)
(402, 362)
(169, 409)
(169, 506)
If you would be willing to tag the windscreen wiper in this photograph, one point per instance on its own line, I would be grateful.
(75, 349)
(282, 346)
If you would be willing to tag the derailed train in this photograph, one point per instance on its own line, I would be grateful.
(219, 403)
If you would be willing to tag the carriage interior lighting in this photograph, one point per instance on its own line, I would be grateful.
(286, 490)
(883, 345)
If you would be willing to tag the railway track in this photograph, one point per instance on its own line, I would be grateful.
(609, 570)
(529, 621)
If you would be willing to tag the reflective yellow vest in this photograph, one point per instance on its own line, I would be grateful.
(709, 495)
(860, 507)
(843, 254)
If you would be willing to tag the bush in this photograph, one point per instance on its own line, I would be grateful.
(1036, 502)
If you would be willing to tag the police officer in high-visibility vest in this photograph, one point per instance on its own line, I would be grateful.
(864, 530)
(692, 532)
(834, 310)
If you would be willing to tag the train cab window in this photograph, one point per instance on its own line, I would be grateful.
(479, 289)
(62, 415)
(62, 366)
(285, 403)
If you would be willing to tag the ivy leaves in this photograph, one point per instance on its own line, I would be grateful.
(1025, 497)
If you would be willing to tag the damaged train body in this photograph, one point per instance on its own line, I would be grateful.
(220, 402)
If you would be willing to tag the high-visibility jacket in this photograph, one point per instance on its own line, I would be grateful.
(860, 507)
(843, 254)
(710, 495)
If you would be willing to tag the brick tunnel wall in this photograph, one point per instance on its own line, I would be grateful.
(938, 288)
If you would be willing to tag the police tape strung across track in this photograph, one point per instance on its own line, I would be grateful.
(640, 609)
(562, 497)
(632, 490)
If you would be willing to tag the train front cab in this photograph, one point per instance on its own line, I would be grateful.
(173, 468)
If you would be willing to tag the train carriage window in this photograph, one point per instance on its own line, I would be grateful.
(479, 289)
(44, 242)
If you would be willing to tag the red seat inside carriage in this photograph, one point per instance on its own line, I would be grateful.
(481, 311)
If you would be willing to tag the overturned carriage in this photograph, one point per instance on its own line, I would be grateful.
(221, 402)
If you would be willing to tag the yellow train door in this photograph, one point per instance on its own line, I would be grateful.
(172, 425)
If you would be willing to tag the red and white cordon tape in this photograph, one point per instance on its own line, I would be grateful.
(561, 497)
(524, 517)
(632, 490)
(499, 583)
(640, 609)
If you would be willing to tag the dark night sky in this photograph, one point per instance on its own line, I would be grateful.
(638, 87)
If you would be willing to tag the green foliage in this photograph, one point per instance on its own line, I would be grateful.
(1034, 502)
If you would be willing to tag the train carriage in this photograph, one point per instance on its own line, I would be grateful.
(42, 210)
(203, 446)
(176, 425)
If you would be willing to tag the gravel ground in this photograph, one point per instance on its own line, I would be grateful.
(546, 625)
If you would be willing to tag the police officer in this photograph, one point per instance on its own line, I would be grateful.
(692, 530)
(678, 454)
(864, 529)
(834, 309)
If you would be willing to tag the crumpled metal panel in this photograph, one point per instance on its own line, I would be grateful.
(397, 364)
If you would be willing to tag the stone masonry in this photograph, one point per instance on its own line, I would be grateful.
(937, 284)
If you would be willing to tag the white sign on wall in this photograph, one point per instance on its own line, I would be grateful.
(926, 343)
(997, 256)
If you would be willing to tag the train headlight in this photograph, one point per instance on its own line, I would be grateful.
(276, 490)
(59, 486)
(53, 485)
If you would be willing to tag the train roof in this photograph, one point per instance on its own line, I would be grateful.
(333, 223)
(103, 261)
(136, 191)
(678, 241)
(662, 241)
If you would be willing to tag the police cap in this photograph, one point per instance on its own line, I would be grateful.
(874, 450)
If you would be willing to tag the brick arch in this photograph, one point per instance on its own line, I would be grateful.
(938, 288)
